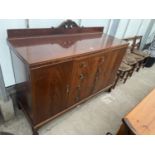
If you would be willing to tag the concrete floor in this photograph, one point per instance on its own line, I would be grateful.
(98, 116)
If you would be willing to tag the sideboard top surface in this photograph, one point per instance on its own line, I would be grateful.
(36, 50)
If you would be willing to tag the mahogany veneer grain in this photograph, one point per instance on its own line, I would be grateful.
(54, 72)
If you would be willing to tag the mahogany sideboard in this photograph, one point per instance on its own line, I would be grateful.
(56, 69)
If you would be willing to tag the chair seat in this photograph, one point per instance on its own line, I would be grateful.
(124, 67)
(141, 53)
(129, 59)
(137, 57)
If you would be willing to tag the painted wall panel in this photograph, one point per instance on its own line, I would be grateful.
(144, 26)
(122, 28)
(133, 27)
(152, 34)
(153, 29)
(109, 26)
(95, 22)
(5, 58)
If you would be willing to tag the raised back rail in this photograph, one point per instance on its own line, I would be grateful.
(67, 27)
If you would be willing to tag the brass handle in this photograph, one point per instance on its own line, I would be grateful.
(82, 76)
(83, 65)
(97, 74)
(78, 87)
(67, 89)
(102, 59)
(77, 98)
(99, 70)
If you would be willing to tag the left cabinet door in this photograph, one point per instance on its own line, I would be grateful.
(50, 90)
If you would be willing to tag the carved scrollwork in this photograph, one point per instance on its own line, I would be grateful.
(71, 27)
(68, 24)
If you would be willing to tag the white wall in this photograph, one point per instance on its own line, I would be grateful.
(5, 58)
(144, 26)
(122, 28)
(126, 28)
(151, 35)
(96, 22)
(133, 27)
(47, 23)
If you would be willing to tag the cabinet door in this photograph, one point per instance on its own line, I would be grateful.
(107, 70)
(50, 87)
(83, 78)
(114, 65)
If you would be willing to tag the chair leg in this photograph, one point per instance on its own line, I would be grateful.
(123, 76)
(141, 65)
(132, 70)
(118, 77)
(138, 68)
(144, 62)
(127, 75)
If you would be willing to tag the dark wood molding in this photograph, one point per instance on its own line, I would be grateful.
(67, 27)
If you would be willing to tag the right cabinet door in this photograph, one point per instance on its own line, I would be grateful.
(107, 68)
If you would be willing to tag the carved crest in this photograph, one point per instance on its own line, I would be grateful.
(68, 24)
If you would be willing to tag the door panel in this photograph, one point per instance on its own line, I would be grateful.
(106, 71)
(119, 54)
(103, 70)
(51, 89)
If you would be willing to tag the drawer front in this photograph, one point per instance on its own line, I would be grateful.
(83, 78)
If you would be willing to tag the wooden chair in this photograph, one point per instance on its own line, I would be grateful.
(131, 55)
(123, 73)
(136, 50)
(131, 61)
(138, 60)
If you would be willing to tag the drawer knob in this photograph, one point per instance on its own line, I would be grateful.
(78, 86)
(102, 59)
(78, 93)
(81, 77)
(67, 89)
(83, 65)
